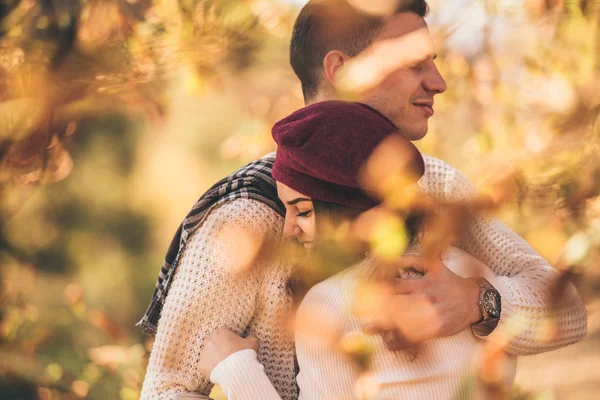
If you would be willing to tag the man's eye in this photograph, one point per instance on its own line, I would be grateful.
(304, 214)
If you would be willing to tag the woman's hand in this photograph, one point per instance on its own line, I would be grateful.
(220, 345)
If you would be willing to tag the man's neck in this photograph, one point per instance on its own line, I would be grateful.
(318, 98)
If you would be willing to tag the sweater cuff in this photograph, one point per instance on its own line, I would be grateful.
(241, 376)
(227, 369)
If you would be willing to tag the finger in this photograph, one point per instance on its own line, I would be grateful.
(395, 346)
(415, 262)
(386, 317)
(401, 345)
(436, 265)
(220, 337)
(394, 341)
(371, 328)
(421, 264)
(406, 286)
(203, 366)
(252, 338)
(211, 339)
(254, 342)
(402, 301)
(222, 332)
(378, 323)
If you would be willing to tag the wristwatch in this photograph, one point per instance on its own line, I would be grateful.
(490, 305)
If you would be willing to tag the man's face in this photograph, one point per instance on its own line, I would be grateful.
(405, 96)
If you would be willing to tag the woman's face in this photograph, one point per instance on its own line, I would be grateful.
(299, 215)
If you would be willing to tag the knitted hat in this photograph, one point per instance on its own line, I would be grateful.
(322, 147)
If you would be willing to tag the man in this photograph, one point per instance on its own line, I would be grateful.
(207, 292)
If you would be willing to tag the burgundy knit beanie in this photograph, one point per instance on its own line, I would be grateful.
(322, 147)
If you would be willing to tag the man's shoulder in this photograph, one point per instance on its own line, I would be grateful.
(435, 165)
(443, 180)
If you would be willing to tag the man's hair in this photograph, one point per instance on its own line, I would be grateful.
(326, 25)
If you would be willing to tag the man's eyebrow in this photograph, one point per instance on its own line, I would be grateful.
(298, 200)
(425, 58)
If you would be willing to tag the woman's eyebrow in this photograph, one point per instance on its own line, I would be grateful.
(298, 200)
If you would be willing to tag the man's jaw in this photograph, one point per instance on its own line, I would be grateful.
(416, 128)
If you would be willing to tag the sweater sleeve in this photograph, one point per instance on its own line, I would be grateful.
(208, 291)
(242, 377)
(524, 280)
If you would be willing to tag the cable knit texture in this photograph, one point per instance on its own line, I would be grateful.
(206, 295)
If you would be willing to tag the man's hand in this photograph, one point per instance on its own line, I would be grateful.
(220, 345)
(439, 304)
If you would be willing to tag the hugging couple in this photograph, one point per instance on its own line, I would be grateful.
(215, 325)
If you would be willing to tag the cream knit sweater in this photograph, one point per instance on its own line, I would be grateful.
(208, 292)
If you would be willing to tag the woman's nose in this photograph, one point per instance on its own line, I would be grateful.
(290, 229)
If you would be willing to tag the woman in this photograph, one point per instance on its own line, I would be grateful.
(322, 150)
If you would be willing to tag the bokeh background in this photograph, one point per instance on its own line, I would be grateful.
(116, 115)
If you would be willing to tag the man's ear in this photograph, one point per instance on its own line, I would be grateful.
(331, 64)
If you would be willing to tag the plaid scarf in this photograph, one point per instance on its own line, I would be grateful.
(252, 181)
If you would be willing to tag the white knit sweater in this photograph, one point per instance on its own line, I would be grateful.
(207, 292)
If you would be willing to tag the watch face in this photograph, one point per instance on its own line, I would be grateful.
(491, 302)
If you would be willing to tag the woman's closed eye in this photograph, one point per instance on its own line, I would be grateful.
(304, 213)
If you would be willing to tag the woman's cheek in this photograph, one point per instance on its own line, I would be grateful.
(308, 227)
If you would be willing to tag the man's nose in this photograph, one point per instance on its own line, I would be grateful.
(290, 229)
(433, 81)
